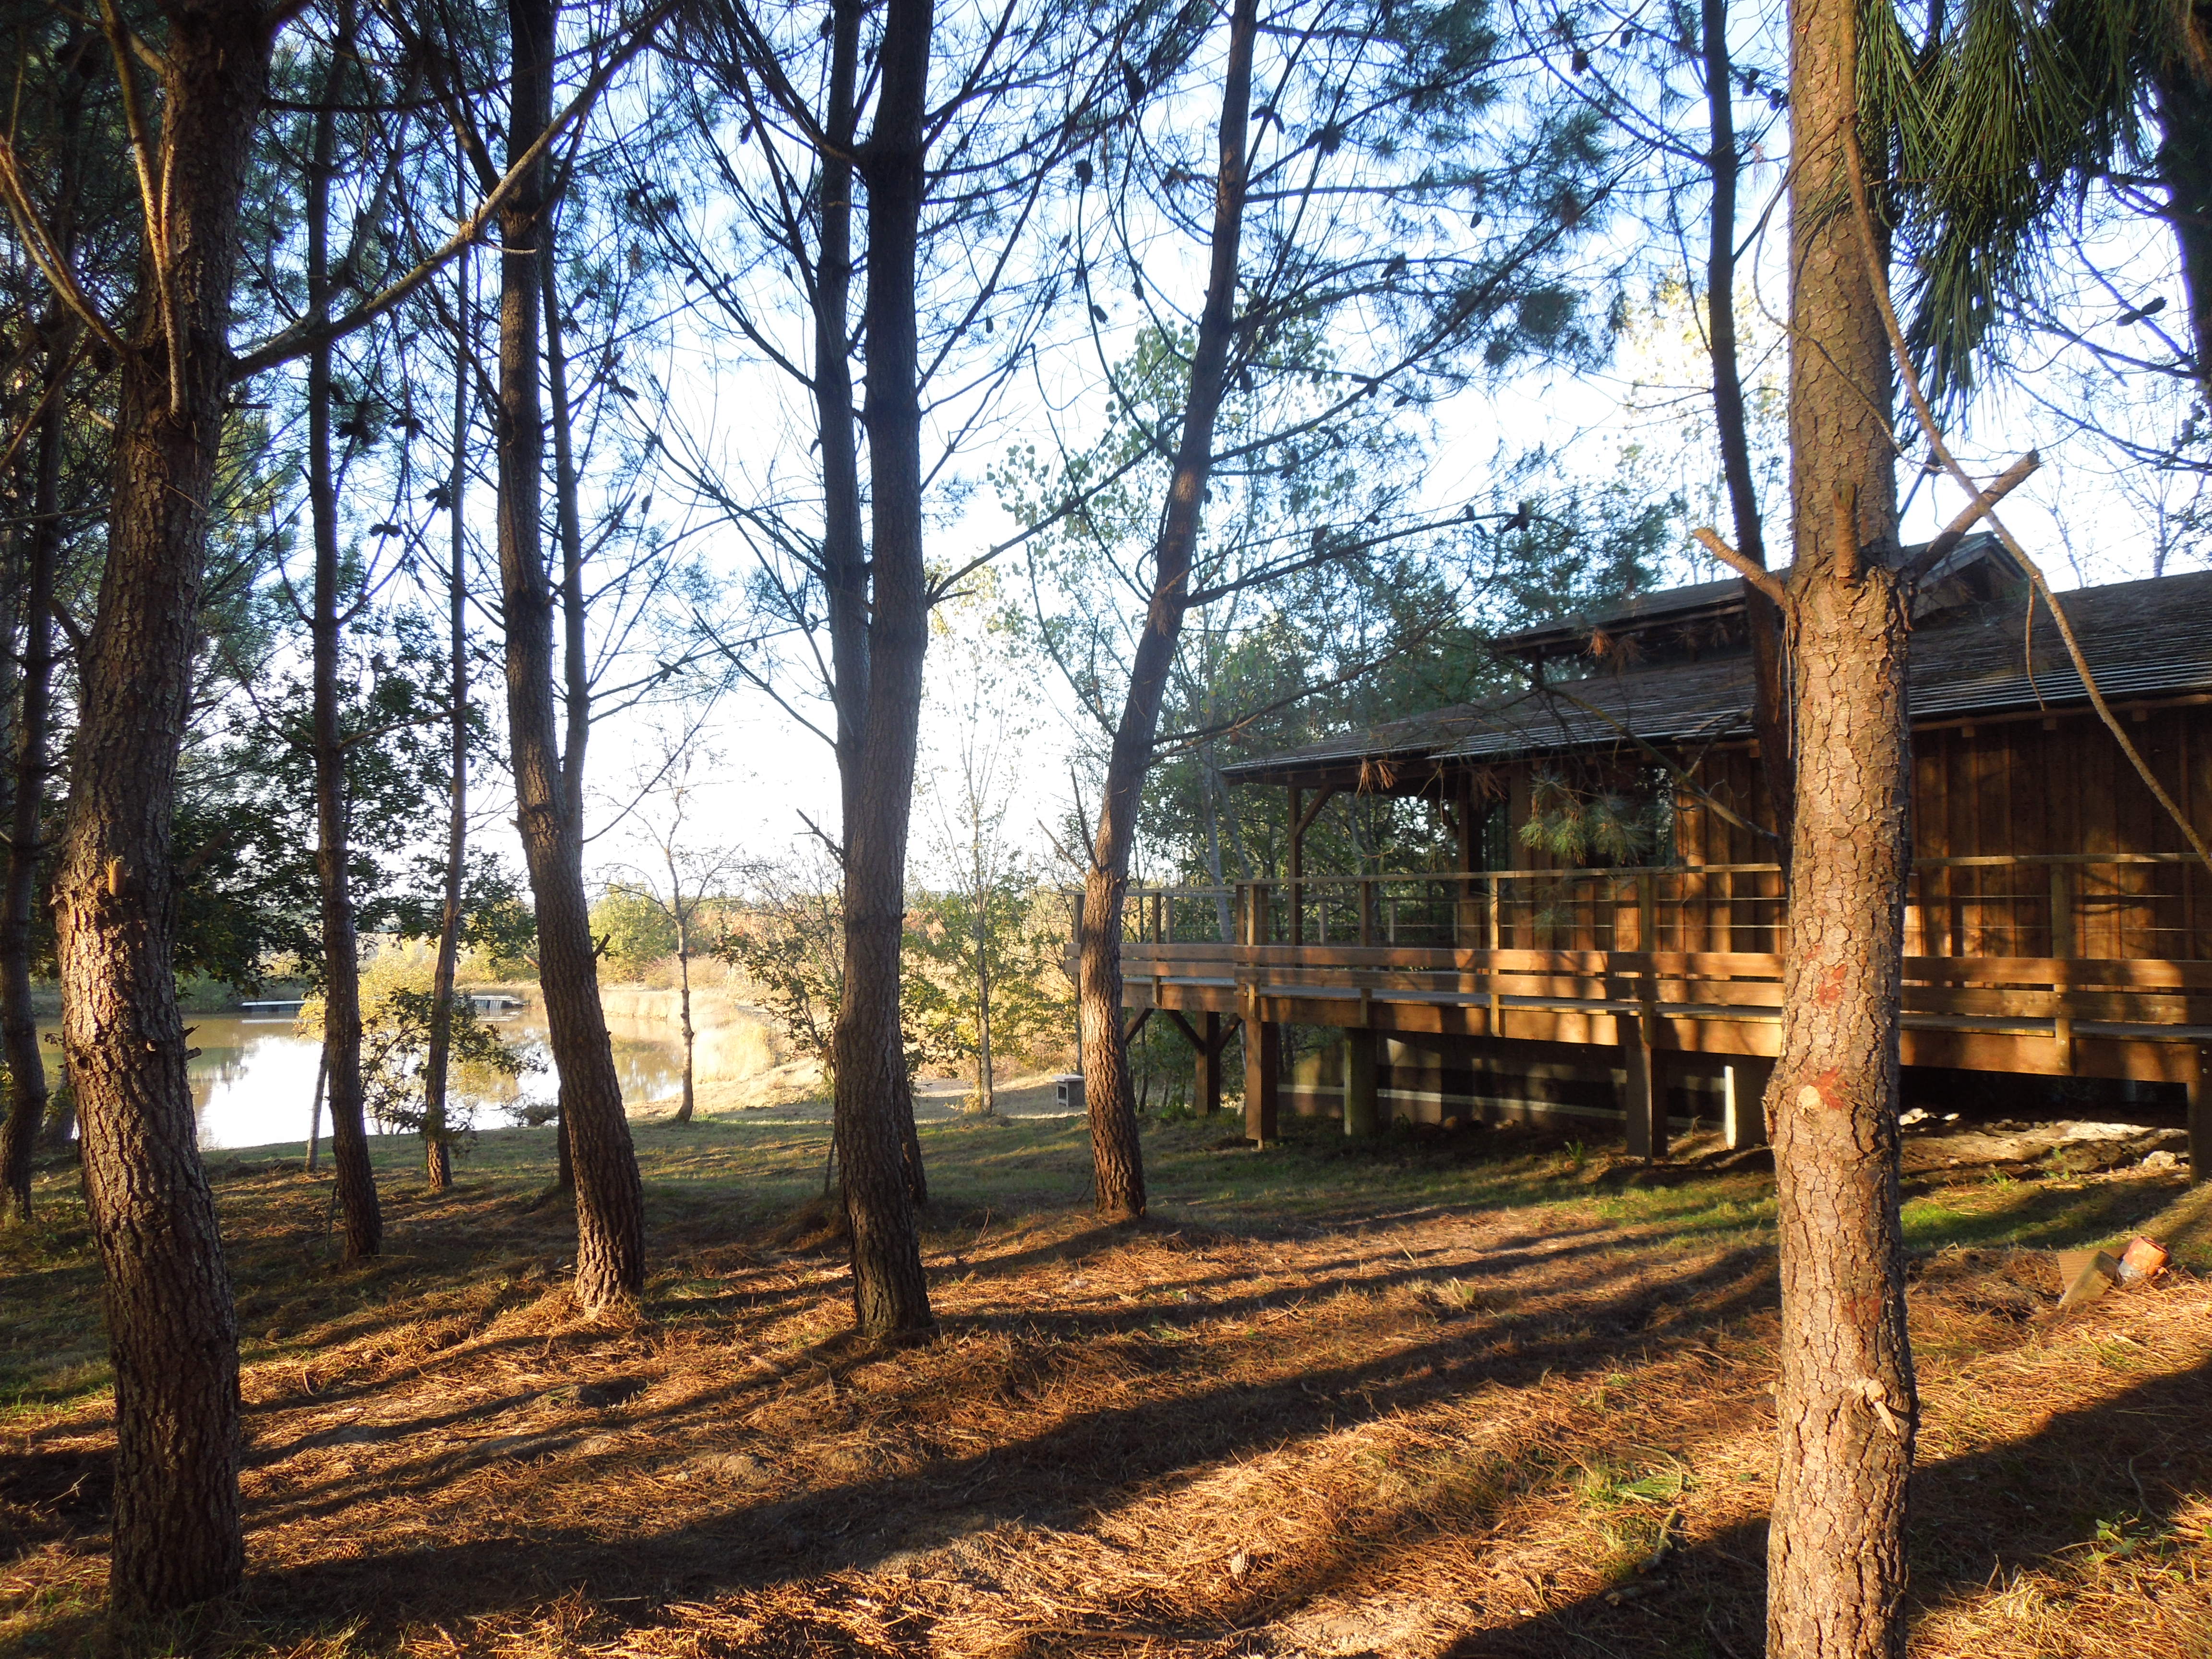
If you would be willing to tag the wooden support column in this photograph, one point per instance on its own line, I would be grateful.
(1207, 1041)
(1263, 1069)
(1297, 870)
(1743, 1101)
(1363, 1117)
(1207, 1085)
(2199, 1124)
(1643, 1099)
(2062, 944)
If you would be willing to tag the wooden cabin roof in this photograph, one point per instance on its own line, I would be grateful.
(2142, 639)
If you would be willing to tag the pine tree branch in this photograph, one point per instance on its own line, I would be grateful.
(1878, 276)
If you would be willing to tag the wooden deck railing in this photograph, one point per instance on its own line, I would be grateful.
(2055, 948)
(2130, 907)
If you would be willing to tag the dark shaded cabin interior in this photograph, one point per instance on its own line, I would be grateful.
(1604, 945)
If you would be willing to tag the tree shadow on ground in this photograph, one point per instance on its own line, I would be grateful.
(2135, 1457)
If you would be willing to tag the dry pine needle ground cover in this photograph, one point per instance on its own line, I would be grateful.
(1478, 1394)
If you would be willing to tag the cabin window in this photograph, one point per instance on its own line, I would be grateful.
(1492, 843)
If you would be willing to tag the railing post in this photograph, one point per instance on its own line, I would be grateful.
(1367, 909)
(2062, 944)
(1493, 933)
(1647, 912)
(2062, 911)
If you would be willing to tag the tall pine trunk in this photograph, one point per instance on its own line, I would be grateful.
(171, 1330)
(575, 659)
(1117, 1155)
(437, 1155)
(610, 1203)
(2184, 168)
(356, 1183)
(19, 897)
(19, 1020)
(874, 1133)
(1846, 1405)
(1770, 713)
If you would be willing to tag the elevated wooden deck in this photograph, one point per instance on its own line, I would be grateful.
(1623, 961)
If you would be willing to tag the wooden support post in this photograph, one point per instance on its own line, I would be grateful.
(1362, 1115)
(1297, 866)
(1263, 1068)
(2199, 1124)
(1206, 1091)
(1743, 1101)
(1644, 1101)
(1493, 937)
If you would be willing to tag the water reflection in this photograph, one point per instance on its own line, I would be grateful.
(253, 1079)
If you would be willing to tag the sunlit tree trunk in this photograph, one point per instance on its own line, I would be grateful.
(684, 972)
(437, 1156)
(19, 1020)
(356, 1183)
(1117, 1157)
(875, 1145)
(609, 1202)
(1770, 708)
(173, 1337)
(1846, 1406)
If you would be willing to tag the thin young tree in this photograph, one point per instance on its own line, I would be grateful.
(437, 1157)
(609, 1200)
(1300, 292)
(59, 332)
(342, 1031)
(686, 878)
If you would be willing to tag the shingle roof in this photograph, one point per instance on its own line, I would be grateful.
(2141, 638)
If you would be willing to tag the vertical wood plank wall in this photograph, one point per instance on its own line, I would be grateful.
(2009, 786)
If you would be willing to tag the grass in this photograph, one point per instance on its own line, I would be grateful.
(1478, 1394)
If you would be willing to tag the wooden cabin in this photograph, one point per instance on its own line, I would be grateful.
(2055, 925)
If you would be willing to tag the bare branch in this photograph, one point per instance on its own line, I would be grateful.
(1760, 578)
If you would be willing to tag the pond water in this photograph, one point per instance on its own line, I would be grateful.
(253, 1080)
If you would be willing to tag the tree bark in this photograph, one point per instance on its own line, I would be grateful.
(568, 526)
(684, 968)
(609, 1202)
(19, 1020)
(2184, 168)
(985, 1082)
(1117, 1155)
(356, 1182)
(1845, 1403)
(437, 1156)
(172, 1331)
(315, 1111)
(876, 1148)
(19, 898)
(1770, 717)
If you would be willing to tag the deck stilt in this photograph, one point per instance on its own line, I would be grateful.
(1263, 1073)
(1643, 1100)
(2199, 1124)
(1743, 1106)
(1361, 1117)
(1207, 1085)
